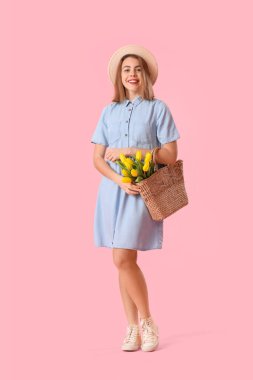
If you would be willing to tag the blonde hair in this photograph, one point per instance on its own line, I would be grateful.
(119, 89)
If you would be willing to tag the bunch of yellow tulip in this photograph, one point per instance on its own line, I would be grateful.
(134, 169)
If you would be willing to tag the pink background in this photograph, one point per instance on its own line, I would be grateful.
(61, 307)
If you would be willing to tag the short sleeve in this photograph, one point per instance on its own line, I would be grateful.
(166, 128)
(100, 135)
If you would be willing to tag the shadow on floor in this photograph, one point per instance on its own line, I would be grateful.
(177, 338)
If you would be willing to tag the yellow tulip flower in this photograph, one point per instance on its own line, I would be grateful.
(138, 155)
(134, 172)
(145, 167)
(129, 160)
(122, 157)
(126, 179)
(124, 172)
(148, 157)
(128, 165)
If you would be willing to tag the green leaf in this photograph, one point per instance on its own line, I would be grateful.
(139, 168)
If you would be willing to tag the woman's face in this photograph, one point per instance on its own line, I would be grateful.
(131, 75)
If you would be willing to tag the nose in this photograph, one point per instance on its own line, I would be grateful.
(133, 72)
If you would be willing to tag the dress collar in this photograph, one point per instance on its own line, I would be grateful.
(135, 101)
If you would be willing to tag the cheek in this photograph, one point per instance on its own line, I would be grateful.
(123, 77)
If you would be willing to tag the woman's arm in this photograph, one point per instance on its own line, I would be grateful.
(102, 166)
(113, 154)
(132, 151)
(167, 154)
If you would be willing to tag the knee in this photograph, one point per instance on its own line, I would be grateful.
(124, 260)
(123, 264)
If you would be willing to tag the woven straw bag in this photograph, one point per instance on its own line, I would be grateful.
(164, 191)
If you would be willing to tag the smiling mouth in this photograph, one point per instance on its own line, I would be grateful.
(133, 81)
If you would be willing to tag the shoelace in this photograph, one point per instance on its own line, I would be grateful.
(149, 332)
(132, 332)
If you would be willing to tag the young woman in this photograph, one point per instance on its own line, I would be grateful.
(134, 120)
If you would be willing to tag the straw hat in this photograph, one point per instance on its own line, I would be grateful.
(132, 49)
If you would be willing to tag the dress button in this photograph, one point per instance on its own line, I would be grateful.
(126, 121)
(125, 134)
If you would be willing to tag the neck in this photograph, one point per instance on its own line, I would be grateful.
(132, 96)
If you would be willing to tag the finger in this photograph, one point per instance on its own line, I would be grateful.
(133, 192)
(135, 189)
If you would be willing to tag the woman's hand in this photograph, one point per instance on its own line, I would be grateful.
(112, 154)
(129, 188)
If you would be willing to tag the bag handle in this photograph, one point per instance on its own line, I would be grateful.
(153, 153)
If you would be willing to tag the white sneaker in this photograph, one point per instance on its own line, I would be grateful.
(150, 334)
(132, 340)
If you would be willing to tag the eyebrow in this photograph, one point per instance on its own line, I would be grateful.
(130, 66)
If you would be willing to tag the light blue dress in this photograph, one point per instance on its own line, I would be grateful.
(123, 220)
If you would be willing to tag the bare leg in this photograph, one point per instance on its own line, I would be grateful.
(132, 284)
(130, 308)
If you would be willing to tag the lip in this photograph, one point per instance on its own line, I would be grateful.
(133, 80)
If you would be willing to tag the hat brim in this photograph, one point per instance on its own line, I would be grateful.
(132, 49)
